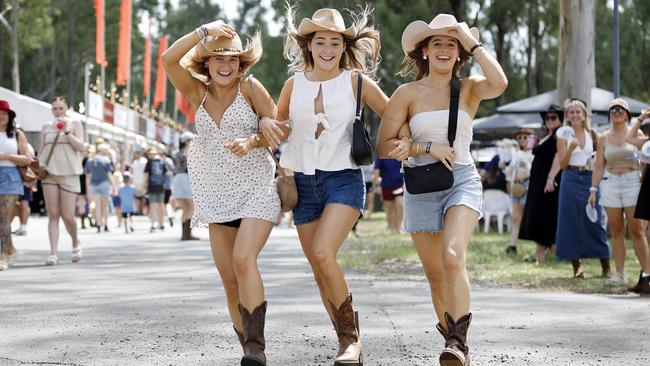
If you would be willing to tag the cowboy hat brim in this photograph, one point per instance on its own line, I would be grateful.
(307, 26)
(419, 30)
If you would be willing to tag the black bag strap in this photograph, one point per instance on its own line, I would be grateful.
(359, 88)
(453, 110)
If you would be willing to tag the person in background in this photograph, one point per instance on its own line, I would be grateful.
(368, 172)
(118, 181)
(61, 187)
(182, 188)
(389, 177)
(167, 185)
(642, 210)
(99, 178)
(493, 176)
(83, 206)
(137, 167)
(577, 235)
(13, 154)
(24, 201)
(539, 221)
(617, 176)
(154, 177)
(127, 195)
(517, 176)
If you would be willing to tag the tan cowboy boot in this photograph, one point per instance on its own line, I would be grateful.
(346, 326)
(456, 352)
(254, 342)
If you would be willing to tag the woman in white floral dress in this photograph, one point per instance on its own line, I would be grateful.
(231, 174)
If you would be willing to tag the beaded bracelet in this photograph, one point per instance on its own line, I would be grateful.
(471, 50)
(428, 149)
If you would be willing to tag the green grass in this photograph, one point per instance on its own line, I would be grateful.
(393, 255)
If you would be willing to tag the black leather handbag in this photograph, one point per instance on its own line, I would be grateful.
(361, 150)
(436, 177)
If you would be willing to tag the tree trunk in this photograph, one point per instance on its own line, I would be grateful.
(532, 30)
(576, 69)
(15, 72)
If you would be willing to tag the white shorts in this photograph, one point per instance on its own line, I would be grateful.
(618, 191)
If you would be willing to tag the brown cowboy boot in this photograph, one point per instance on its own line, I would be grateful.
(253, 335)
(187, 232)
(456, 352)
(346, 326)
(240, 336)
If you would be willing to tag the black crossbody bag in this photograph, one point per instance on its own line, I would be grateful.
(361, 150)
(436, 177)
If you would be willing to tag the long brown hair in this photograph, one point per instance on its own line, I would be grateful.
(361, 50)
(414, 62)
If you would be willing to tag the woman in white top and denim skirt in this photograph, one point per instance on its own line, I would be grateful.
(319, 101)
(13, 153)
(577, 236)
(441, 223)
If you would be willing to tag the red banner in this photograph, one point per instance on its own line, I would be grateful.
(108, 111)
(124, 45)
(185, 107)
(147, 62)
(161, 78)
(100, 50)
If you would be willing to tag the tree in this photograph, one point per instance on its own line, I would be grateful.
(576, 71)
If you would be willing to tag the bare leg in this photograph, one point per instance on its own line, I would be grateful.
(306, 234)
(430, 248)
(67, 204)
(51, 194)
(370, 204)
(517, 215)
(222, 242)
(616, 224)
(639, 240)
(389, 208)
(251, 237)
(399, 212)
(7, 206)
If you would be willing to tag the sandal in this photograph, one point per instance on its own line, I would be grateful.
(51, 260)
(3, 265)
(76, 255)
(11, 259)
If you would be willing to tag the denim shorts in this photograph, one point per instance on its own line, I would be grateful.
(102, 189)
(323, 188)
(11, 183)
(618, 191)
(425, 212)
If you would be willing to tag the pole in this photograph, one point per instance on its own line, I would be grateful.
(617, 66)
(87, 69)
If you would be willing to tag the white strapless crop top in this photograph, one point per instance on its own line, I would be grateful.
(432, 126)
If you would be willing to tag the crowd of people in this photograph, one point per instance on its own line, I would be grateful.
(573, 186)
(225, 176)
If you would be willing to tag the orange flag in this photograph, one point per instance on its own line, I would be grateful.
(184, 106)
(161, 78)
(100, 51)
(147, 63)
(124, 45)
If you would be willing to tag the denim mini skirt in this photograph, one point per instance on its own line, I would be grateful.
(425, 212)
(316, 191)
(11, 183)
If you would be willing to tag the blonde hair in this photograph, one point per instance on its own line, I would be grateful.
(414, 63)
(361, 50)
(574, 102)
(196, 62)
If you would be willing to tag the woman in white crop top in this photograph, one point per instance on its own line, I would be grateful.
(318, 103)
(578, 236)
(441, 223)
(617, 176)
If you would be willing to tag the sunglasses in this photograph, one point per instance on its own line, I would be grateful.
(551, 118)
(619, 110)
(522, 137)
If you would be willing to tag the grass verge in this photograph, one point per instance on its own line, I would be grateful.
(383, 254)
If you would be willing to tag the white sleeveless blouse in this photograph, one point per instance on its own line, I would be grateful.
(432, 126)
(331, 151)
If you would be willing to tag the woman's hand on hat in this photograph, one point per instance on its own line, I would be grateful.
(239, 146)
(219, 28)
(272, 132)
(465, 37)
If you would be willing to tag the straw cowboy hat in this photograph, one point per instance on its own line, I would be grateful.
(325, 20)
(620, 102)
(212, 46)
(419, 30)
(4, 105)
(522, 131)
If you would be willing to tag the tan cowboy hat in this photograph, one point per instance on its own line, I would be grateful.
(419, 30)
(212, 46)
(325, 20)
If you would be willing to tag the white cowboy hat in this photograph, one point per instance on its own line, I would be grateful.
(186, 136)
(325, 20)
(419, 30)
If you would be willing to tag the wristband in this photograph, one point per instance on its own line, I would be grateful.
(417, 148)
(428, 149)
(593, 189)
(471, 50)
